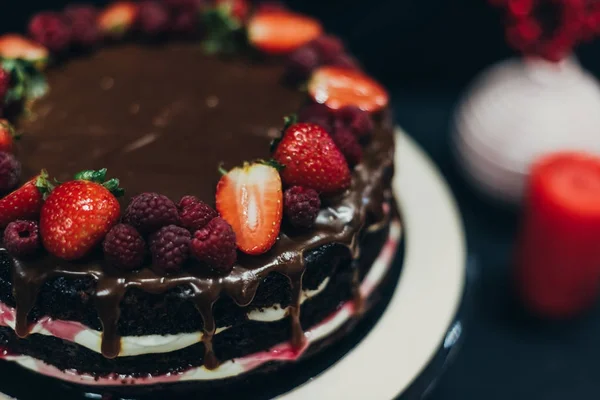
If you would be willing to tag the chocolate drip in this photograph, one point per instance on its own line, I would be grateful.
(359, 303)
(298, 338)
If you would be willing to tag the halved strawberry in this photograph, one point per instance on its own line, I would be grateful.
(281, 31)
(25, 202)
(7, 136)
(15, 46)
(338, 87)
(118, 18)
(250, 198)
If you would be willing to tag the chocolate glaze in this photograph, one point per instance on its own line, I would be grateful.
(153, 122)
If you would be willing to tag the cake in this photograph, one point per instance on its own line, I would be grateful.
(192, 277)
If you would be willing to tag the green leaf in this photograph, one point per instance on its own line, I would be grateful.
(27, 82)
(273, 163)
(113, 186)
(43, 185)
(91, 175)
(223, 31)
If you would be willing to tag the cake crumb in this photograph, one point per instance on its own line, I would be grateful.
(107, 83)
(212, 101)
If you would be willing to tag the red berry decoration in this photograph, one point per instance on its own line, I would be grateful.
(358, 121)
(348, 144)
(7, 136)
(82, 20)
(237, 9)
(153, 18)
(187, 201)
(344, 61)
(312, 159)
(25, 202)
(22, 238)
(215, 245)
(184, 16)
(4, 85)
(170, 248)
(301, 206)
(328, 48)
(302, 62)
(118, 18)
(195, 215)
(10, 172)
(149, 212)
(318, 114)
(51, 30)
(124, 247)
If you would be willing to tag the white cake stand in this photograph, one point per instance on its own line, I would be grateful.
(426, 300)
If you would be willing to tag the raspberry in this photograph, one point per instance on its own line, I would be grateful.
(148, 212)
(22, 238)
(215, 245)
(301, 63)
(51, 30)
(328, 47)
(82, 19)
(359, 121)
(181, 5)
(267, 5)
(153, 18)
(4, 84)
(301, 206)
(124, 247)
(187, 201)
(10, 172)
(344, 61)
(196, 215)
(318, 114)
(170, 248)
(348, 145)
(184, 22)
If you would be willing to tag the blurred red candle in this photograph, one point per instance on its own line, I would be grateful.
(558, 253)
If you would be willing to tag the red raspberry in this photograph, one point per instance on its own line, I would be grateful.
(344, 61)
(22, 238)
(170, 248)
(149, 212)
(184, 23)
(359, 121)
(180, 5)
(4, 84)
(10, 172)
(196, 215)
(215, 245)
(348, 144)
(187, 201)
(328, 47)
(124, 247)
(84, 29)
(51, 30)
(153, 18)
(301, 206)
(318, 114)
(302, 62)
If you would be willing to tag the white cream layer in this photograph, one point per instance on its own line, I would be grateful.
(281, 352)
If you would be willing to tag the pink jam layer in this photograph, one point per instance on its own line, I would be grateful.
(280, 352)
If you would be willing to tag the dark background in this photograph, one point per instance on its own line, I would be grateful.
(426, 52)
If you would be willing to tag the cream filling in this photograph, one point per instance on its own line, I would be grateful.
(280, 352)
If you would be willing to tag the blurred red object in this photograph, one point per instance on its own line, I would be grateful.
(558, 253)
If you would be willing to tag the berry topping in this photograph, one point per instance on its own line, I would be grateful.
(10, 172)
(148, 212)
(51, 30)
(194, 215)
(187, 201)
(312, 159)
(348, 144)
(302, 62)
(359, 121)
(153, 18)
(7, 136)
(78, 214)
(4, 84)
(118, 18)
(301, 206)
(25, 202)
(170, 248)
(22, 238)
(184, 23)
(124, 247)
(82, 19)
(344, 61)
(270, 5)
(328, 47)
(250, 198)
(237, 9)
(277, 32)
(318, 114)
(339, 87)
(215, 245)
(17, 47)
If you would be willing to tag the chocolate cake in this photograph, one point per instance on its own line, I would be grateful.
(145, 291)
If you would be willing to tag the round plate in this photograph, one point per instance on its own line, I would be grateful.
(426, 300)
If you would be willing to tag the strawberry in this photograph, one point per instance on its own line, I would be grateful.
(15, 46)
(237, 9)
(337, 87)
(118, 18)
(311, 159)
(250, 199)
(278, 32)
(78, 214)
(7, 136)
(25, 202)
